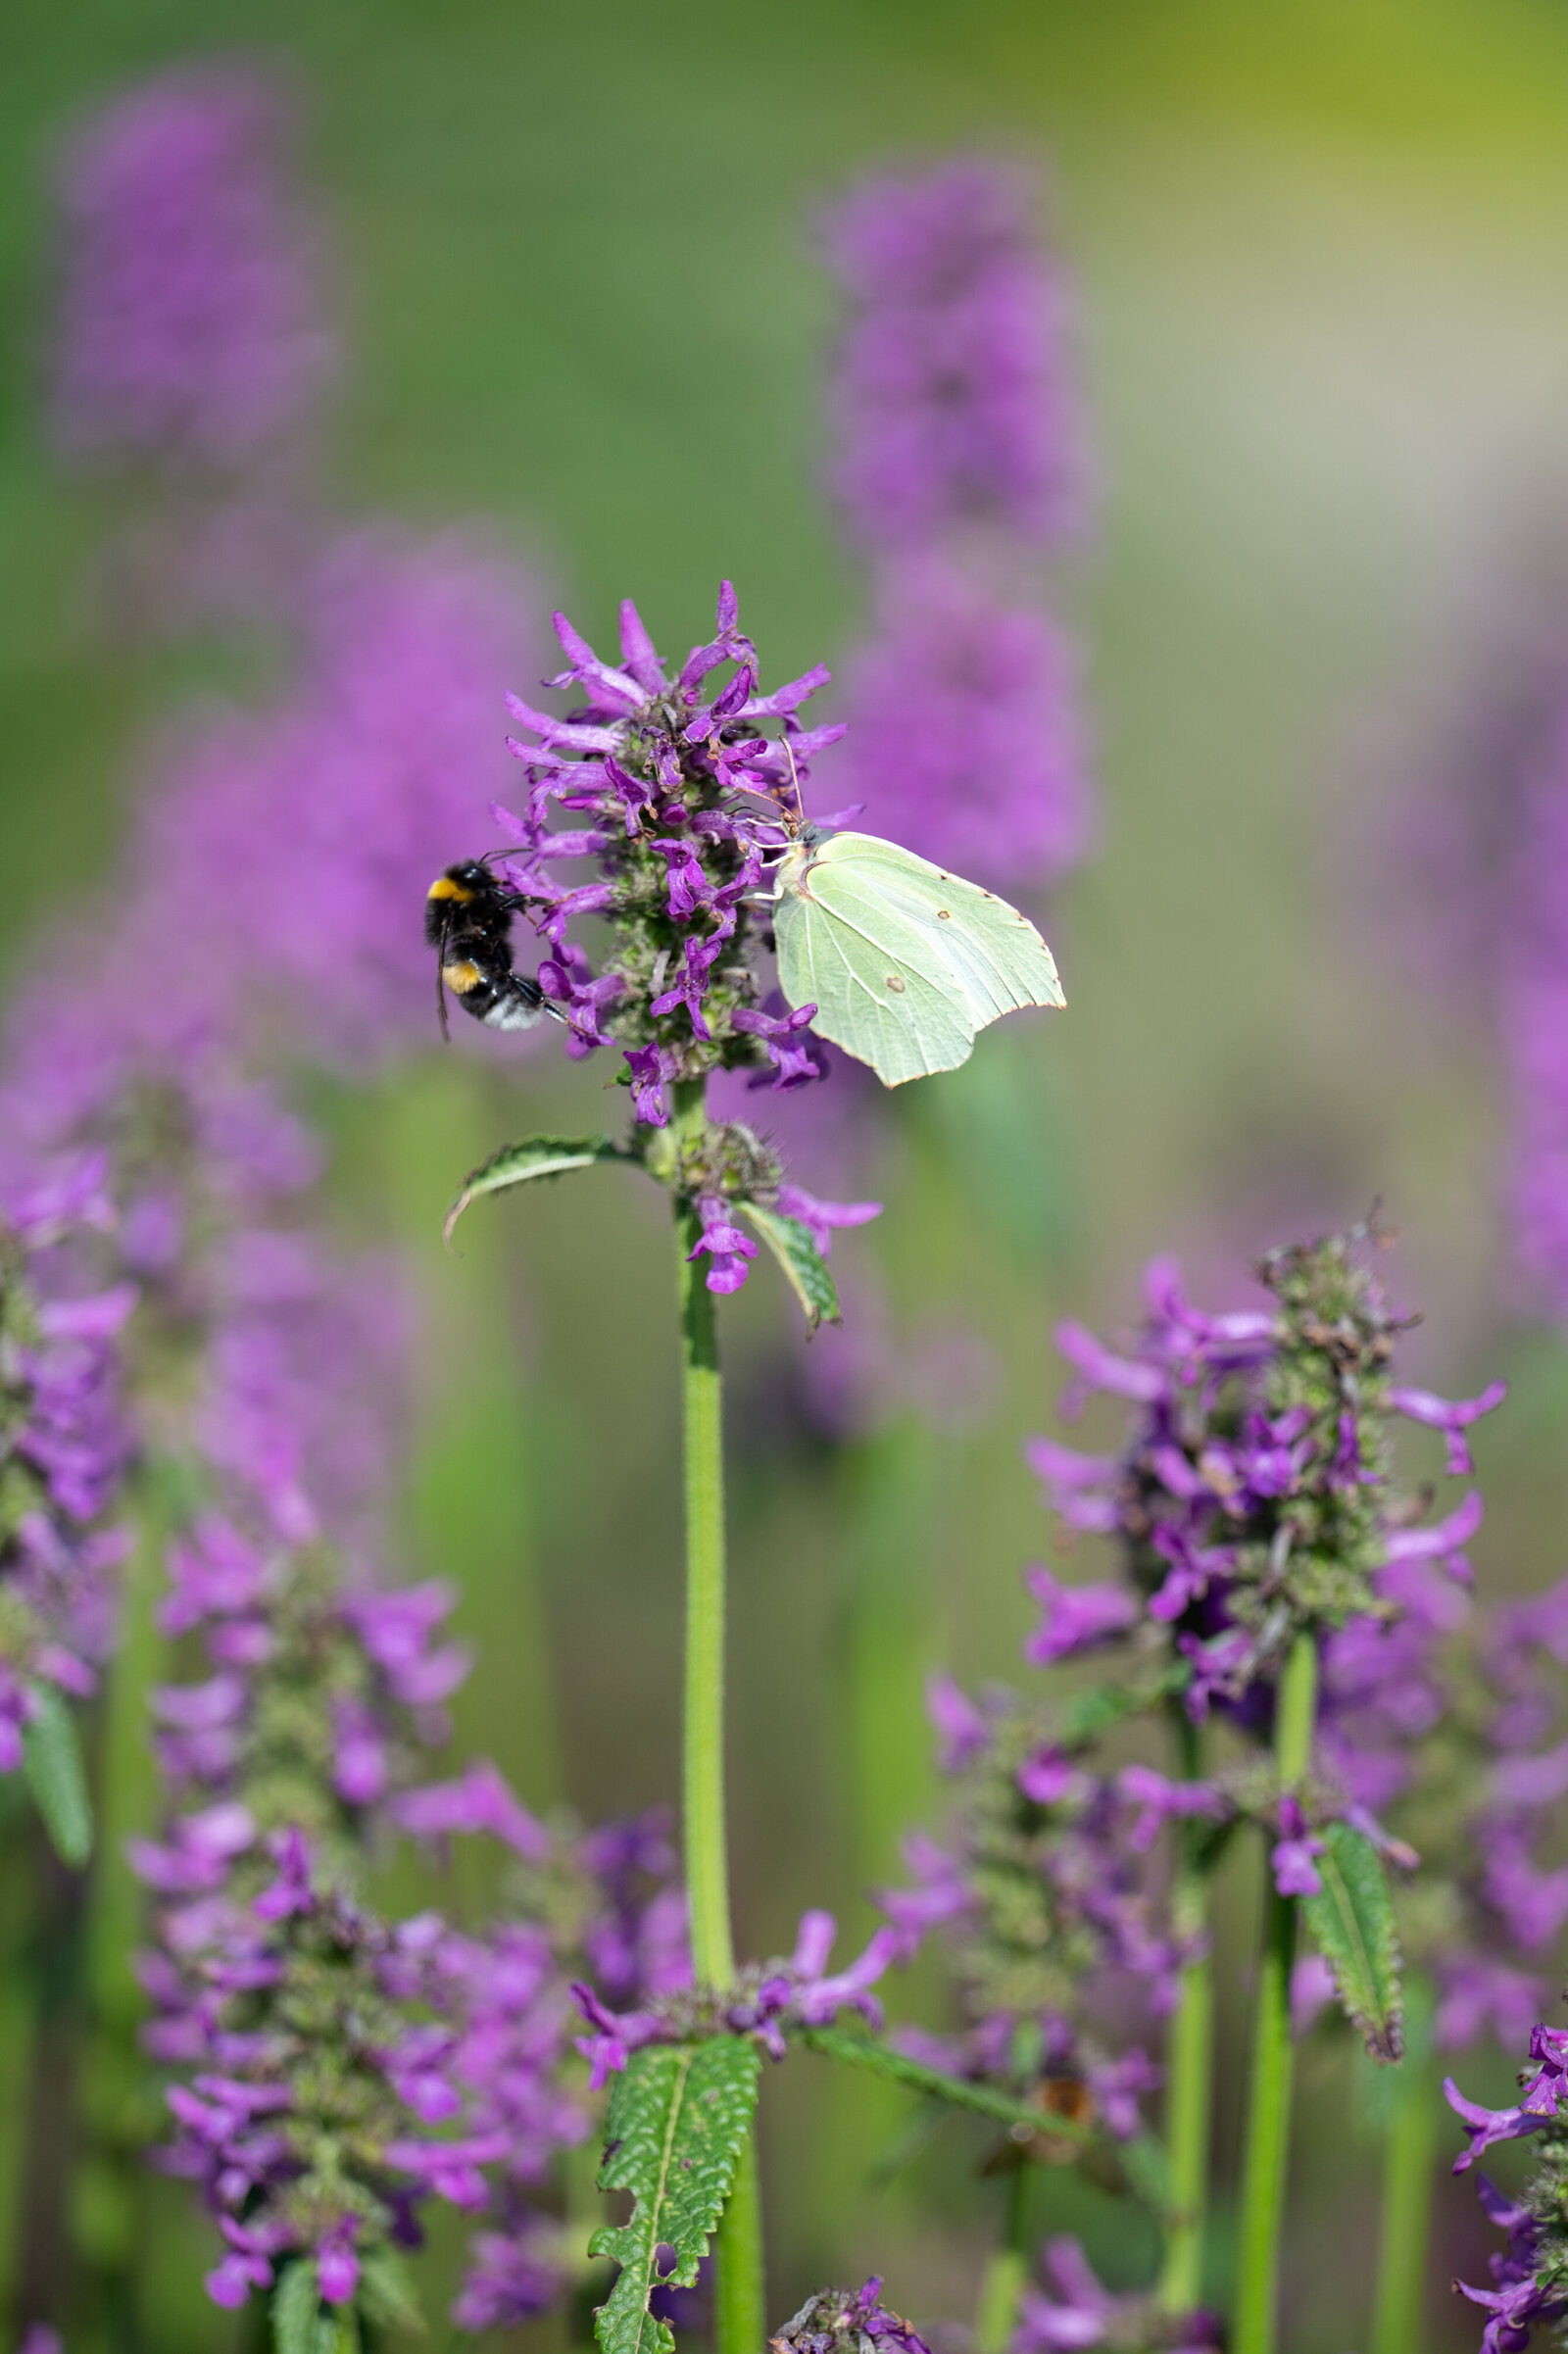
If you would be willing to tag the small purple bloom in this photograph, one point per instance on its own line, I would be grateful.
(963, 1733)
(820, 1219)
(729, 1249)
(1076, 1617)
(1295, 1853)
(1454, 1419)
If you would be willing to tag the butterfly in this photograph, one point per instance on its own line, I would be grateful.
(903, 961)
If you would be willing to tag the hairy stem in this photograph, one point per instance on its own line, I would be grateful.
(1189, 2054)
(738, 2291)
(1409, 2154)
(1268, 2116)
(997, 2312)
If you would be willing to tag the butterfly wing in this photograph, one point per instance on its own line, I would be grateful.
(903, 961)
(999, 960)
(854, 953)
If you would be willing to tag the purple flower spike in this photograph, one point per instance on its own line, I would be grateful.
(951, 401)
(190, 333)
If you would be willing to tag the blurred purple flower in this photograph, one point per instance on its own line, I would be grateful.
(965, 742)
(190, 332)
(1081, 2312)
(950, 400)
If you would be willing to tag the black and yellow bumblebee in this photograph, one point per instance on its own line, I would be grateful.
(468, 921)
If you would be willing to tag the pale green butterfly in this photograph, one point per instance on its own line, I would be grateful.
(903, 961)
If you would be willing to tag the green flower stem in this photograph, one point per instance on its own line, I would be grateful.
(1409, 2152)
(739, 2304)
(1189, 2055)
(1269, 2119)
(997, 2314)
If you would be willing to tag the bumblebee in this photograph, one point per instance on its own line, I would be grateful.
(468, 921)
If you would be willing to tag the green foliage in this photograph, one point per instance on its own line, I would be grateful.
(805, 1270)
(52, 1765)
(883, 2060)
(536, 1156)
(298, 2325)
(1352, 1922)
(678, 2116)
(386, 2293)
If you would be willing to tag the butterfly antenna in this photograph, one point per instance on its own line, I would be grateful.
(795, 781)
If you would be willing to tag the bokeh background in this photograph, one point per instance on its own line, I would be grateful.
(1320, 254)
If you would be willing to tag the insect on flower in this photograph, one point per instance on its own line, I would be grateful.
(468, 921)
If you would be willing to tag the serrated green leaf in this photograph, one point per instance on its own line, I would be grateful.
(537, 1156)
(679, 2117)
(51, 1761)
(1352, 1922)
(387, 2293)
(805, 1270)
(296, 2306)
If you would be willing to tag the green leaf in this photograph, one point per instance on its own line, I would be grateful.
(805, 1270)
(1094, 1711)
(296, 2306)
(52, 1763)
(679, 2117)
(1352, 1922)
(881, 2059)
(386, 2292)
(538, 1157)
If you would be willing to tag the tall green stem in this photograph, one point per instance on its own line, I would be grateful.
(1189, 2055)
(1268, 2118)
(997, 2314)
(739, 2303)
(1409, 2154)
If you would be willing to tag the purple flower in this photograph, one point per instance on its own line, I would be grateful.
(950, 400)
(820, 1219)
(1158, 1801)
(1076, 1617)
(1451, 1419)
(1295, 1853)
(1081, 2312)
(337, 2267)
(962, 1732)
(479, 1799)
(796, 1055)
(650, 1067)
(513, 2277)
(729, 1249)
(190, 333)
(966, 743)
(1483, 2126)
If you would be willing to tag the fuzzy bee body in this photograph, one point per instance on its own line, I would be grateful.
(468, 921)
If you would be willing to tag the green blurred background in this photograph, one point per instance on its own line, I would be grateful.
(1321, 253)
